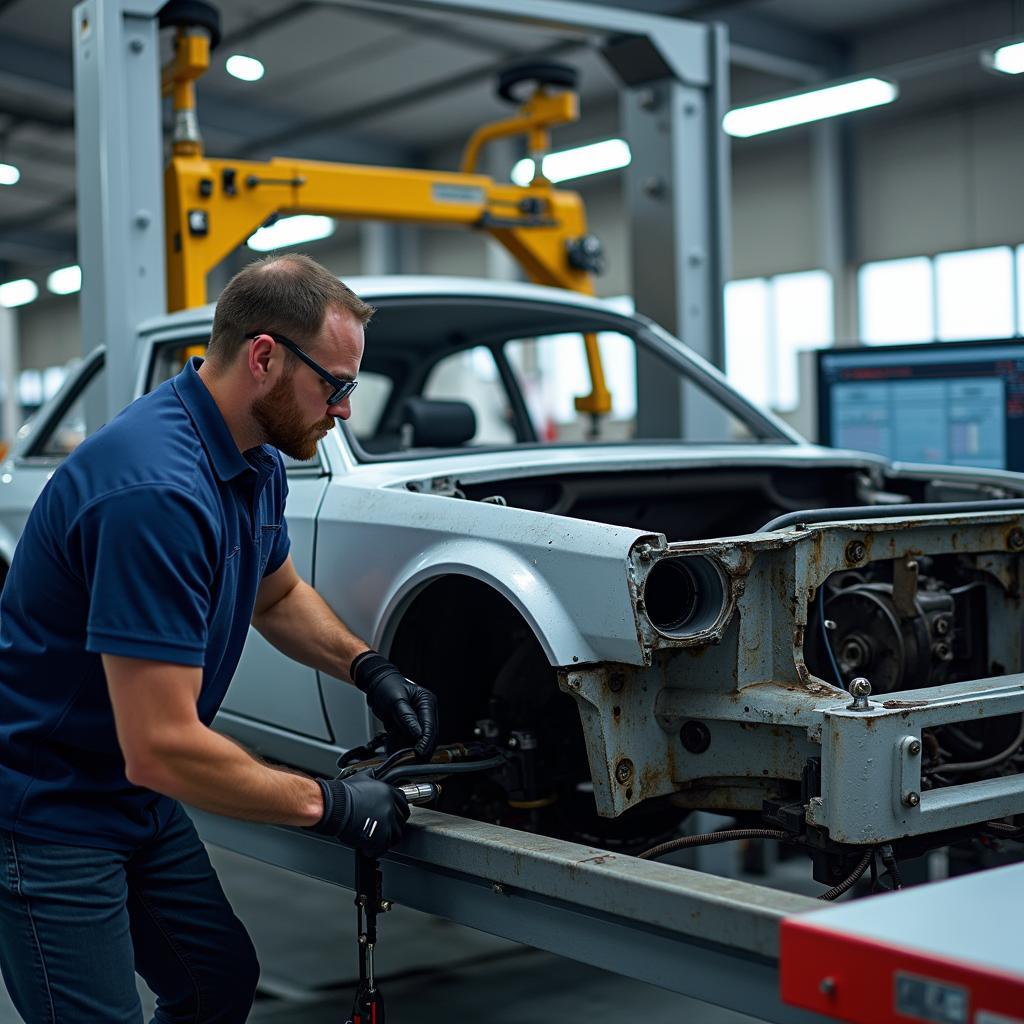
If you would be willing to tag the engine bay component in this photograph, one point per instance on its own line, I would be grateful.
(684, 597)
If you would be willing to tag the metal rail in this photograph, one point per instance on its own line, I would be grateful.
(714, 939)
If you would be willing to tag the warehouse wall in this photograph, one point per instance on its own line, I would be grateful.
(948, 179)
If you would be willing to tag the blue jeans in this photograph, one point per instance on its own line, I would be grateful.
(76, 924)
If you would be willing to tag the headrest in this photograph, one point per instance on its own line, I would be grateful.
(435, 423)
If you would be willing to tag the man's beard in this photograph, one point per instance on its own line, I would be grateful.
(282, 423)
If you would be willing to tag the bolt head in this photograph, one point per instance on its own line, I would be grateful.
(915, 747)
(855, 551)
(498, 889)
(860, 687)
(1015, 539)
(624, 770)
(912, 799)
(827, 986)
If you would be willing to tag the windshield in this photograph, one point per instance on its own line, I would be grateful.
(471, 377)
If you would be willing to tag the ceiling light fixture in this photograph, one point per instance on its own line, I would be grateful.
(246, 69)
(304, 227)
(576, 163)
(18, 293)
(9, 174)
(1007, 59)
(65, 281)
(804, 107)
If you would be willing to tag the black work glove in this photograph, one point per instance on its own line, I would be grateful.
(362, 812)
(408, 711)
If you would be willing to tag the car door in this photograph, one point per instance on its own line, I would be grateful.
(269, 687)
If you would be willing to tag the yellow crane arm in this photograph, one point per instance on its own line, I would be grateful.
(213, 205)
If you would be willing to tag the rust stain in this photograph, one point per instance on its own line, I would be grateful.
(904, 703)
(602, 858)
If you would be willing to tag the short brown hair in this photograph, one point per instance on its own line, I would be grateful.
(290, 293)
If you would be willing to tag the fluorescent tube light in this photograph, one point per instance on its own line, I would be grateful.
(804, 107)
(246, 69)
(18, 293)
(576, 163)
(1009, 59)
(65, 281)
(9, 174)
(305, 227)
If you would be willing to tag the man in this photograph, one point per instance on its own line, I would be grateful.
(122, 621)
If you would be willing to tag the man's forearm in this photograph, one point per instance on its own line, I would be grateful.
(303, 626)
(210, 772)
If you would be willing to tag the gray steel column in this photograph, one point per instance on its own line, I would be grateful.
(10, 418)
(677, 192)
(120, 180)
(379, 248)
(834, 200)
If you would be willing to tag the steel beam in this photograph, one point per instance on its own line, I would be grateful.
(677, 201)
(120, 178)
(682, 930)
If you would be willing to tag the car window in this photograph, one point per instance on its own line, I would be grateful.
(78, 420)
(472, 376)
(368, 402)
(554, 377)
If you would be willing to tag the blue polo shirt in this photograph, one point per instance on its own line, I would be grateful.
(149, 541)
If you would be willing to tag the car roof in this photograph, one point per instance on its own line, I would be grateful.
(374, 289)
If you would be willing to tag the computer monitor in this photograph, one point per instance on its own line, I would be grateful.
(957, 403)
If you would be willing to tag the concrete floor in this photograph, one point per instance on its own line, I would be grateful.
(431, 970)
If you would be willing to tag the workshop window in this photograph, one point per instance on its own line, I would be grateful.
(471, 376)
(974, 292)
(749, 362)
(896, 301)
(768, 322)
(552, 373)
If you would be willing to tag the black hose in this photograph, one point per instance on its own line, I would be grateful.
(415, 771)
(937, 508)
(988, 762)
(727, 835)
(847, 883)
(397, 758)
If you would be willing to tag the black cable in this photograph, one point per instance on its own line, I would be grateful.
(727, 835)
(891, 866)
(825, 640)
(414, 771)
(847, 883)
(988, 762)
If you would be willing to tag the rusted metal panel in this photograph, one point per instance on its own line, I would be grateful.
(755, 713)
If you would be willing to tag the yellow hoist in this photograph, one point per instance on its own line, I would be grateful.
(213, 205)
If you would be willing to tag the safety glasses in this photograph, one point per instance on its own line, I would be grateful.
(340, 389)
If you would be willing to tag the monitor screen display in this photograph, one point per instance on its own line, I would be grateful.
(960, 403)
